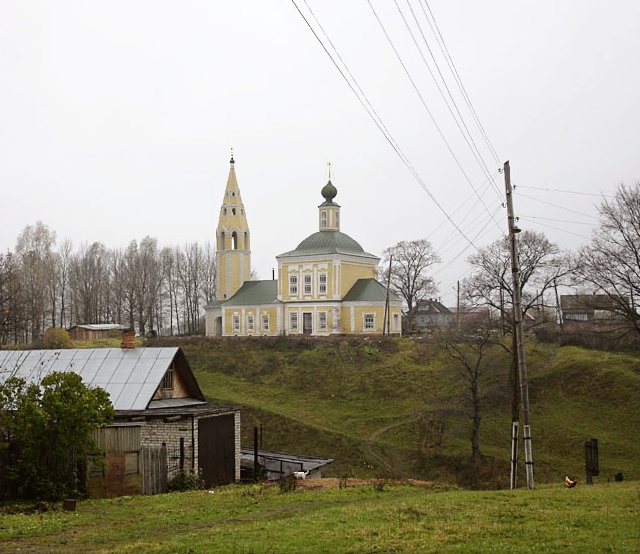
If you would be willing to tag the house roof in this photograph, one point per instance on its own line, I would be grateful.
(369, 290)
(99, 327)
(587, 302)
(130, 376)
(431, 307)
(276, 461)
(328, 242)
(254, 292)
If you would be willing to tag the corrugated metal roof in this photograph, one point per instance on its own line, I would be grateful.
(328, 242)
(255, 292)
(368, 290)
(100, 327)
(130, 376)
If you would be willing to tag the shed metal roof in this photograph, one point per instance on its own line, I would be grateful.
(130, 376)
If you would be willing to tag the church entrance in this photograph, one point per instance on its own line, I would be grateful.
(307, 326)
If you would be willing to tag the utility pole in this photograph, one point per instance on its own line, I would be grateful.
(519, 327)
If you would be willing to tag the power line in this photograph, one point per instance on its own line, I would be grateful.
(568, 191)
(454, 71)
(557, 206)
(424, 104)
(458, 120)
(371, 111)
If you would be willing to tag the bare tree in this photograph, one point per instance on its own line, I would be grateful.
(410, 263)
(470, 346)
(542, 266)
(10, 299)
(34, 250)
(611, 262)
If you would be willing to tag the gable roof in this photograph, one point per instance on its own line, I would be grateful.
(130, 376)
(255, 292)
(369, 290)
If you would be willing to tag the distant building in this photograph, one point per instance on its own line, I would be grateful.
(588, 307)
(429, 314)
(327, 285)
(95, 331)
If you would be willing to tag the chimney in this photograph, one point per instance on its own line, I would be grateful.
(128, 339)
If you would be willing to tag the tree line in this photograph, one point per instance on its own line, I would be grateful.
(142, 286)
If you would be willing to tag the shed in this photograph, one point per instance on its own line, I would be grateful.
(95, 331)
(157, 398)
(273, 465)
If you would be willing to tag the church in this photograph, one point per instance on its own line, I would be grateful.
(327, 285)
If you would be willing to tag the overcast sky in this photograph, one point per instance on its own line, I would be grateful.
(117, 119)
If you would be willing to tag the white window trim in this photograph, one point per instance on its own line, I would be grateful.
(364, 322)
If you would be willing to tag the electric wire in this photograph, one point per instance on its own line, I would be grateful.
(557, 206)
(456, 75)
(424, 104)
(374, 116)
(568, 191)
(468, 137)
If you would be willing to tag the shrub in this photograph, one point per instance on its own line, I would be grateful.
(56, 337)
(186, 481)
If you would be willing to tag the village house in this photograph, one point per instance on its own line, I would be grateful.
(163, 423)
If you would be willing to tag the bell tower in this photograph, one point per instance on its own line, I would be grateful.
(233, 253)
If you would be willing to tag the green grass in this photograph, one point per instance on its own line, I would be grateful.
(398, 408)
(252, 519)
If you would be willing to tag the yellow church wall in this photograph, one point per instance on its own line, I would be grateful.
(251, 321)
(340, 277)
(354, 319)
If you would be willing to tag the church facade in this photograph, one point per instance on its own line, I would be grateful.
(327, 285)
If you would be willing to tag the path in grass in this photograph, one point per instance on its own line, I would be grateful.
(376, 434)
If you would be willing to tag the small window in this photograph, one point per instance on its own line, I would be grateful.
(250, 323)
(234, 240)
(323, 219)
(307, 284)
(233, 211)
(396, 322)
(224, 211)
(293, 285)
(265, 322)
(369, 321)
(293, 321)
(322, 283)
(236, 323)
(322, 321)
(167, 380)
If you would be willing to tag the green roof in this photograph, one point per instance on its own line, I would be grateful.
(328, 242)
(368, 290)
(255, 292)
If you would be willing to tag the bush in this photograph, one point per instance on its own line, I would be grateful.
(56, 337)
(186, 481)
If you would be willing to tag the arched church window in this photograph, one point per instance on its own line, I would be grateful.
(224, 211)
(337, 218)
(233, 211)
(323, 219)
(246, 241)
(234, 240)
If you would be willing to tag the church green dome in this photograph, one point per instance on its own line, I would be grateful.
(329, 191)
(328, 242)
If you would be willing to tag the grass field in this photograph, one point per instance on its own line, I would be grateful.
(398, 408)
(379, 517)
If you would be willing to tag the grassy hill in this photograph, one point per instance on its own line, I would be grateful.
(398, 407)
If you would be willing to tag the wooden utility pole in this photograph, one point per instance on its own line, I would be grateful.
(386, 323)
(519, 328)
